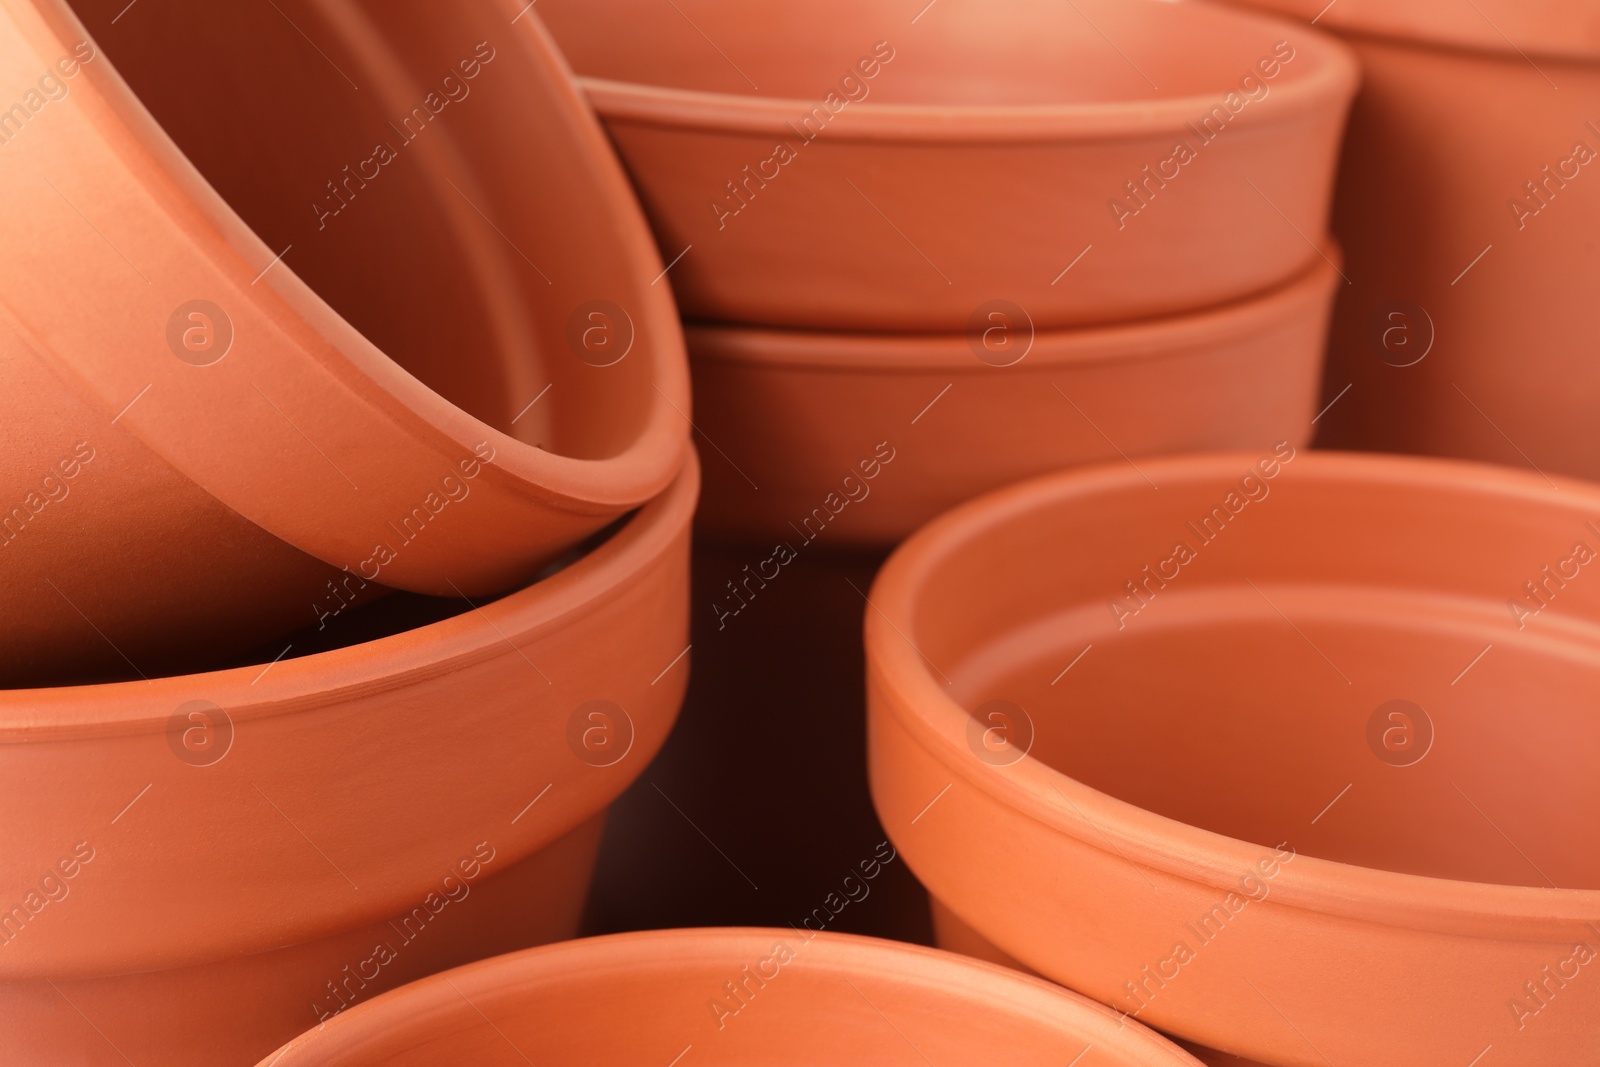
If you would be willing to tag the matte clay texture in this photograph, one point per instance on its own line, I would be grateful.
(918, 424)
(300, 347)
(1251, 755)
(1467, 208)
(842, 166)
(785, 998)
(281, 809)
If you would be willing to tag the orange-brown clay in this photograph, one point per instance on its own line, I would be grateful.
(729, 996)
(1467, 203)
(393, 312)
(1283, 752)
(230, 840)
(839, 165)
(862, 438)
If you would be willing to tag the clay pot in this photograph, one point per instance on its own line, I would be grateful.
(1233, 755)
(845, 166)
(731, 996)
(315, 342)
(1466, 211)
(916, 424)
(243, 851)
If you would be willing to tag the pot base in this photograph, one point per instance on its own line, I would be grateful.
(235, 1011)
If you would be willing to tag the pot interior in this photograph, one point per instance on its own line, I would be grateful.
(405, 157)
(1339, 658)
(956, 52)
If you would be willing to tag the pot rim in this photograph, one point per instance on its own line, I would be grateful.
(1544, 30)
(1136, 340)
(1335, 76)
(207, 230)
(844, 955)
(318, 680)
(1035, 791)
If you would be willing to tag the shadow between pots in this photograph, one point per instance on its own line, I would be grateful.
(756, 811)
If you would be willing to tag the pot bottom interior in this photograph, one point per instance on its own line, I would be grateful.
(1392, 729)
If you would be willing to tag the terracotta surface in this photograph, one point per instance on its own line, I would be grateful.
(1322, 798)
(839, 165)
(1468, 328)
(860, 439)
(273, 367)
(1568, 28)
(179, 1017)
(250, 810)
(784, 999)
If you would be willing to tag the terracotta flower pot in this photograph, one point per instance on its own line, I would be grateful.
(1233, 754)
(321, 335)
(1466, 209)
(860, 438)
(201, 867)
(848, 166)
(729, 996)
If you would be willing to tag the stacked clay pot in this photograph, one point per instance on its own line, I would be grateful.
(1285, 757)
(1465, 209)
(346, 583)
(926, 256)
(258, 369)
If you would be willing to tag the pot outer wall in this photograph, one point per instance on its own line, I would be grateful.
(1468, 328)
(953, 935)
(234, 1012)
(916, 425)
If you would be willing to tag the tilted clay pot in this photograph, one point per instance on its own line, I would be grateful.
(317, 341)
(198, 868)
(729, 996)
(1467, 201)
(1285, 753)
(843, 165)
(861, 438)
